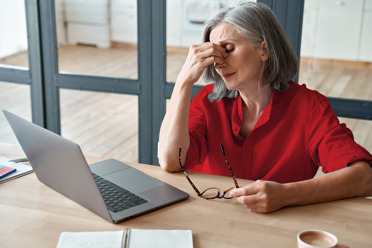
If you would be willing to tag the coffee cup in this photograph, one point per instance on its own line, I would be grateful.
(316, 239)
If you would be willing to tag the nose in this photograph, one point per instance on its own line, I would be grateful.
(220, 65)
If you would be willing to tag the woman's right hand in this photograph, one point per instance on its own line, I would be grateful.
(199, 58)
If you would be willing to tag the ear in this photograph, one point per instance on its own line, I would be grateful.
(264, 52)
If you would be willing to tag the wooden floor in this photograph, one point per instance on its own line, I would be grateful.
(106, 125)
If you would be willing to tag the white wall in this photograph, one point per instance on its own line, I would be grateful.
(13, 31)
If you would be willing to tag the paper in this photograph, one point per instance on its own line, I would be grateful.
(113, 239)
(22, 169)
(136, 238)
(160, 238)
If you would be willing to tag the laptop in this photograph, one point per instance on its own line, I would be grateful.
(60, 164)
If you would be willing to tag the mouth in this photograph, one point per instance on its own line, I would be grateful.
(227, 75)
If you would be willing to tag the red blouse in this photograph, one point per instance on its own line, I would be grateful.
(297, 132)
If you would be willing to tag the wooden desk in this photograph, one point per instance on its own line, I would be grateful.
(33, 215)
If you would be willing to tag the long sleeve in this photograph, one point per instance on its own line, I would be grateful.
(198, 148)
(331, 144)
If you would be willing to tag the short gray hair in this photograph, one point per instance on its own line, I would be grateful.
(258, 23)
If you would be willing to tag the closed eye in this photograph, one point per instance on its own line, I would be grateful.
(229, 47)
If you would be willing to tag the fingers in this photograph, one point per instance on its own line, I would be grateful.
(255, 204)
(209, 49)
(208, 53)
(250, 189)
(250, 196)
(260, 196)
(199, 58)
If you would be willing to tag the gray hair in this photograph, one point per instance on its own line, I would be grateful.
(258, 23)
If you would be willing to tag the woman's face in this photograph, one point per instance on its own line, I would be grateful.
(241, 69)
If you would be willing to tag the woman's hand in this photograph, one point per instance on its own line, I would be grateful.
(261, 196)
(266, 196)
(199, 58)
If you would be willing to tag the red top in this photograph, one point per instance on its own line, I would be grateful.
(297, 132)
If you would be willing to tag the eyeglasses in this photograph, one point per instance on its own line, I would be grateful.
(213, 192)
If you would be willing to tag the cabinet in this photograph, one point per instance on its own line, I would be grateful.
(184, 30)
(88, 22)
(336, 29)
(365, 52)
(123, 20)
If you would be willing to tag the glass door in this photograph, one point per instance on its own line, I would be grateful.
(336, 59)
(14, 66)
(97, 51)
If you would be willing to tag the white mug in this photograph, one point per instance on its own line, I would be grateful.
(317, 239)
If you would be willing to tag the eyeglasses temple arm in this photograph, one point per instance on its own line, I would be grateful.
(228, 165)
(184, 172)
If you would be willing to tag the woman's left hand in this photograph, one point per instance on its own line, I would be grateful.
(261, 196)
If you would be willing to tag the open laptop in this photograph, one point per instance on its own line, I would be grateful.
(60, 164)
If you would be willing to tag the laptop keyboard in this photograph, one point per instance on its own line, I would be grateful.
(116, 198)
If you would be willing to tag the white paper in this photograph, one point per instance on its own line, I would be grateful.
(137, 238)
(21, 168)
(111, 239)
(141, 238)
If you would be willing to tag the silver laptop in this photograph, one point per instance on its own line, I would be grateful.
(60, 164)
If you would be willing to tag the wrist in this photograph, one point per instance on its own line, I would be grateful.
(291, 197)
(184, 83)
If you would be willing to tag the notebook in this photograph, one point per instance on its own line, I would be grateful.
(6, 171)
(128, 238)
(60, 164)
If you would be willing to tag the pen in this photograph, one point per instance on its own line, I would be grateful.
(18, 160)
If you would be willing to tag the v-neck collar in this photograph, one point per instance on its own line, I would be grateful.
(237, 115)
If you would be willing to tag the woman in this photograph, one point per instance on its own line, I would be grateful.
(274, 131)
